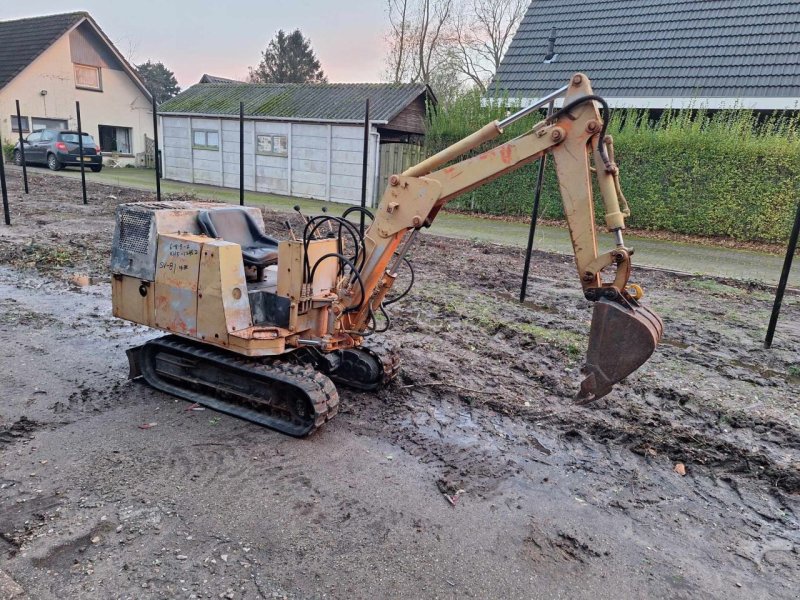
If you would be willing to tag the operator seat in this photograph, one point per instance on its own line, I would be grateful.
(236, 225)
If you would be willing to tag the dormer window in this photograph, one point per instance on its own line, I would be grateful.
(88, 78)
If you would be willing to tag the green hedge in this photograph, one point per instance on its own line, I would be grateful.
(725, 175)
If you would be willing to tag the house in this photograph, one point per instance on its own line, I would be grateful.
(48, 63)
(658, 54)
(206, 78)
(303, 140)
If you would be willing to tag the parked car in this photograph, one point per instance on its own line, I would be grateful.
(58, 149)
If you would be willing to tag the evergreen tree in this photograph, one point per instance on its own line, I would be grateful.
(288, 59)
(159, 80)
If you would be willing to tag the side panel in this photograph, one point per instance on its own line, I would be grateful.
(128, 302)
(290, 267)
(177, 271)
(223, 304)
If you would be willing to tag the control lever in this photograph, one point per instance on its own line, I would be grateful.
(330, 227)
(291, 231)
(303, 217)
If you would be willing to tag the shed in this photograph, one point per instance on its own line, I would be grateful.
(304, 140)
(657, 54)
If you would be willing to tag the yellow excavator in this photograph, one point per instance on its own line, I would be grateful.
(261, 329)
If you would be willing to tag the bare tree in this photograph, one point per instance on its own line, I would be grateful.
(433, 17)
(481, 35)
(398, 38)
(450, 44)
(417, 35)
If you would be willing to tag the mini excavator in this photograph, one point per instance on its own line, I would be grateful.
(261, 329)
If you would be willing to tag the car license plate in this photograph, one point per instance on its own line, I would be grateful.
(87, 158)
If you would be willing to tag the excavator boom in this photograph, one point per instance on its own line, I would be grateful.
(623, 334)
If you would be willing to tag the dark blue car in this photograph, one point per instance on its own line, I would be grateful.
(58, 149)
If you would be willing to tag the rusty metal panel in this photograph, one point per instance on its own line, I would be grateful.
(223, 303)
(132, 299)
(177, 271)
(290, 267)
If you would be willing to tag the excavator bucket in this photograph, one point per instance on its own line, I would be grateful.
(621, 340)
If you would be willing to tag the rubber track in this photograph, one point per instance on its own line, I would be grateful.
(318, 388)
(389, 356)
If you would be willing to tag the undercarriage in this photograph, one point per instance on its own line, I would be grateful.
(293, 394)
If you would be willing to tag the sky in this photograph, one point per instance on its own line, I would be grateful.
(225, 38)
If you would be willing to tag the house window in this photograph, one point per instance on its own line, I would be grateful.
(15, 123)
(88, 78)
(205, 139)
(272, 145)
(115, 139)
(44, 123)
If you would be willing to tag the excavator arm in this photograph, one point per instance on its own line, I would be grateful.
(623, 333)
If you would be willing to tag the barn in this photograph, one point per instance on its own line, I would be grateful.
(303, 140)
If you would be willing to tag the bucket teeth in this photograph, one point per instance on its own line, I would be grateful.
(621, 340)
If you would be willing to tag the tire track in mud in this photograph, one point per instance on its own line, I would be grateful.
(683, 425)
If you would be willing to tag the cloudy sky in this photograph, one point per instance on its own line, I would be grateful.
(223, 38)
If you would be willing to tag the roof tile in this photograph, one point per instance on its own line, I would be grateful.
(659, 48)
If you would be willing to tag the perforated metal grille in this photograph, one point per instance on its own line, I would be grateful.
(134, 231)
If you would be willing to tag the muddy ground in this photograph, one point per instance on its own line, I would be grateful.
(559, 500)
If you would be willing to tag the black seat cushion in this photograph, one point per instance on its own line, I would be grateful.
(237, 226)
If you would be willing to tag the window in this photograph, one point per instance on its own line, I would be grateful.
(48, 123)
(205, 139)
(34, 137)
(272, 145)
(48, 136)
(88, 78)
(15, 124)
(115, 139)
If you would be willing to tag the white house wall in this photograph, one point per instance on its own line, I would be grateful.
(120, 104)
(324, 161)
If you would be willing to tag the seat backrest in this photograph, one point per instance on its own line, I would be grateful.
(230, 224)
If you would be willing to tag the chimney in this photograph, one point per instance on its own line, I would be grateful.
(551, 47)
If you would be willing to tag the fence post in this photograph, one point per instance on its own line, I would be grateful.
(3, 188)
(22, 149)
(241, 153)
(80, 150)
(787, 267)
(156, 154)
(364, 168)
(537, 195)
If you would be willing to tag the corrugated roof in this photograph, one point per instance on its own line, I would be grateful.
(319, 101)
(659, 48)
(206, 78)
(25, 39)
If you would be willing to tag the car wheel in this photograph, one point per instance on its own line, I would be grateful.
(53, 162)
(97, 168)
(18, 158)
